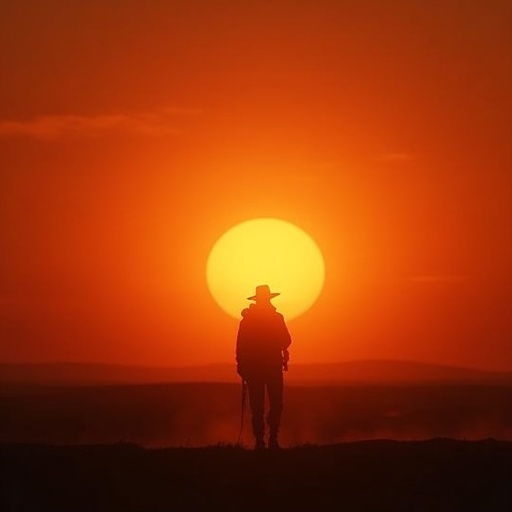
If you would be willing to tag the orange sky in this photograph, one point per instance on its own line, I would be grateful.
(134, 133)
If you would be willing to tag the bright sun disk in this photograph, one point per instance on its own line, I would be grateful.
(266, 251)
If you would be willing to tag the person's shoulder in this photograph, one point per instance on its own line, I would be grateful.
(248, 312)
(279, 315)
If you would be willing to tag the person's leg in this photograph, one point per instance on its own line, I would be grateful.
(275, 395)
(256, 390)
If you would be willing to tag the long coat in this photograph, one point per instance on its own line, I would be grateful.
(262, 341)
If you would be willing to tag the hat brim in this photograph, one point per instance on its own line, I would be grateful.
(266, 296)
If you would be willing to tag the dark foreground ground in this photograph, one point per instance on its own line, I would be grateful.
(433, 475)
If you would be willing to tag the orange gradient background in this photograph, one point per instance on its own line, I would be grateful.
(133, 135)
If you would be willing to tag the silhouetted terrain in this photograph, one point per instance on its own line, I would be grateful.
(199, 414)
(327, 373)
(428, 446)
(436, 475)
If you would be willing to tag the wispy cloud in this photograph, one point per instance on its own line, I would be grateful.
(163, 121)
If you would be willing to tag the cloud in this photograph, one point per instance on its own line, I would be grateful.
(161, 121)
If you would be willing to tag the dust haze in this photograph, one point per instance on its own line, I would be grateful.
(202, 414)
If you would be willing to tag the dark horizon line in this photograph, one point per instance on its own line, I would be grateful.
(228, 363)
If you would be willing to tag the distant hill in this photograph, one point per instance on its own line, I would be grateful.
(352, 372)
(388, 371)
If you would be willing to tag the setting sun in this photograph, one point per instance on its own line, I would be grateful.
(266, 251)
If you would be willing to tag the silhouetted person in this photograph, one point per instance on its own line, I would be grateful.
(262, 355)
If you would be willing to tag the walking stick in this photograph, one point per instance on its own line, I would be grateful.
(244, 394)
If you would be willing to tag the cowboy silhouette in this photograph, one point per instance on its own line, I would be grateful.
(262, 355)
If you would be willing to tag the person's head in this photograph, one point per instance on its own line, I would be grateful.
(263, 294)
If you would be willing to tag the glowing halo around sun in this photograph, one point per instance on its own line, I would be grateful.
(266, 251)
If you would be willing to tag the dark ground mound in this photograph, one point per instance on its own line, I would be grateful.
(434, 475)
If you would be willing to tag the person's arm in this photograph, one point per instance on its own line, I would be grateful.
(286, 339)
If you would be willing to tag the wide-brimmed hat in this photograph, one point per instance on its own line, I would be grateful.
(263, 293)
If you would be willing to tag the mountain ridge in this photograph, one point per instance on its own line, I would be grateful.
(344, 372)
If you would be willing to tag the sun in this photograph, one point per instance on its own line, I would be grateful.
(266, 251)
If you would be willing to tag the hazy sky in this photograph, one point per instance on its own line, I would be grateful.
(134, 133)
